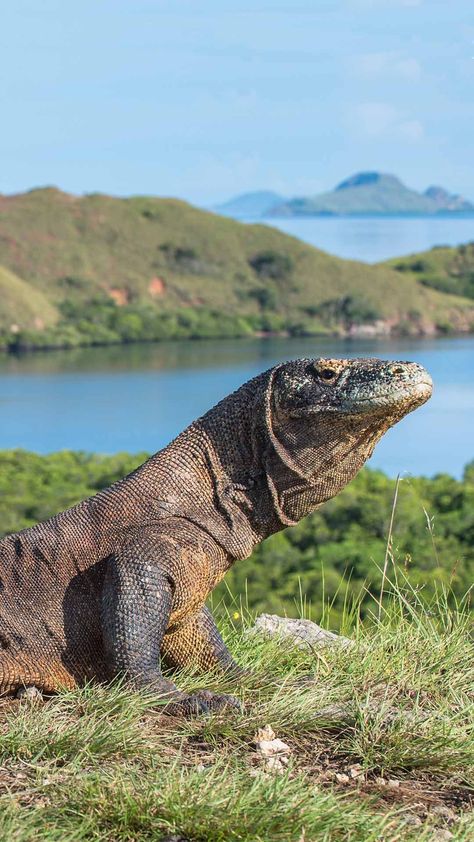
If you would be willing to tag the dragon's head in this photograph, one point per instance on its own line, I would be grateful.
(324, 418)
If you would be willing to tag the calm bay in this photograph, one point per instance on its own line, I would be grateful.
(138, 397)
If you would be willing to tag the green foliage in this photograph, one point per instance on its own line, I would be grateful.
(337, 554)
(101, 322)
(334, 557)
(348, 310)
(266, 297)
(412, 265)
(271, 264)
(449, 270)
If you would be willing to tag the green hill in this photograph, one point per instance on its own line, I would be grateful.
(373, 193)
(143, 268)
(445, 268)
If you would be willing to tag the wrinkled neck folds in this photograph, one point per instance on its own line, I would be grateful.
(312, 457)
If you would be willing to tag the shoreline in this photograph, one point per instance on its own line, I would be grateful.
(355, 333)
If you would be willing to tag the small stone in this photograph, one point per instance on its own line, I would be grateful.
(270, 748)
(356, 771)
(392, 782)
(327, 775)
(174, 838)
(411, 819)
(441, 835)
(265, 733)
(380, 781)
(276, 764)
(342, 778)
(444, 812)
(30, 694)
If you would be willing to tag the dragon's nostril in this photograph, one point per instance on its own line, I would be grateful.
(397, 369)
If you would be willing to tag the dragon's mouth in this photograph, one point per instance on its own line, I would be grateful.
(410, 395)
(401, 400)
(423, 387)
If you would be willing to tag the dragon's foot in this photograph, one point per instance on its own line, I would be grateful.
(202, 702)
(178, 703)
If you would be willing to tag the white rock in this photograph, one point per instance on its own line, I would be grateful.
(273, 752)
(276, 764)
(304, 633)
(270, 748)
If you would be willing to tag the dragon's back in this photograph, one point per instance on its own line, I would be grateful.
(50, 589)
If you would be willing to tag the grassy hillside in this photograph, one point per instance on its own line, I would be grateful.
(23, 306)
(145, 268)
(445, 268)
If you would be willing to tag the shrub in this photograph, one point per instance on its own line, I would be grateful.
(271, 264)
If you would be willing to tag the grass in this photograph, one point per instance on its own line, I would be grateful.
(23, 305)
(382, 746)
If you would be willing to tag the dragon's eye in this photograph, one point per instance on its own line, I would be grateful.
(327, 374)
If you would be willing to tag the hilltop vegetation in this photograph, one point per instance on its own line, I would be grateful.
(98, 270)
(445, 268)
(335, 556)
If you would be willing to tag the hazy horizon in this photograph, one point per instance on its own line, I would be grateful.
(224, 199)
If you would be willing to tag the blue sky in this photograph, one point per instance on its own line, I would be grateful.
(207, 98)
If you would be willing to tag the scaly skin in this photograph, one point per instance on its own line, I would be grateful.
(118, 582)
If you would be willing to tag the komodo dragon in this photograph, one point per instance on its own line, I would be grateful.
(107, 587)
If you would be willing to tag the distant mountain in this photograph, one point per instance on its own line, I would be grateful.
(448, 201)
(250, 205)
(371, 193)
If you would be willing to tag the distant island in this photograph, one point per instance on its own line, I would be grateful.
(365, 193)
